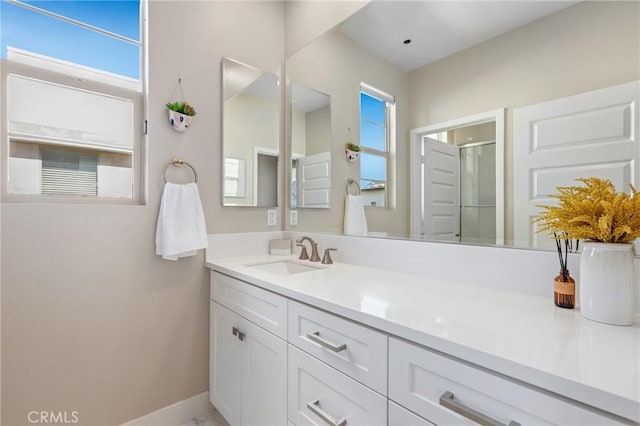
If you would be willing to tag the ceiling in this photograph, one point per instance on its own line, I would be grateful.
(438, 28)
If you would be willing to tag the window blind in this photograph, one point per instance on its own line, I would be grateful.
(69, 173)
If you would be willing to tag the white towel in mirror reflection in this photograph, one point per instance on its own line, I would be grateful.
(181, 229)
(355, 221)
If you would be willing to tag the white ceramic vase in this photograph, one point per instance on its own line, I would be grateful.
(607, 284)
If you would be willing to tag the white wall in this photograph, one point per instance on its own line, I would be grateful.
(92, 320)
(318, 130)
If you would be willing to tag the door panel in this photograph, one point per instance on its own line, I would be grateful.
(593, 134)
(441, 186)
(226, 362)
(264, 377)
(314, 180)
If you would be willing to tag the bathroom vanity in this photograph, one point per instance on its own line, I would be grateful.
(345, 345)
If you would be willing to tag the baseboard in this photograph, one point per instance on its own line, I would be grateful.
(176, 414)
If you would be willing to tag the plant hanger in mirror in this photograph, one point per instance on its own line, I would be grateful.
(180, 112)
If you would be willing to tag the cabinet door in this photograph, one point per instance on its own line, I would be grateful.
(225, 369)
(264, 377)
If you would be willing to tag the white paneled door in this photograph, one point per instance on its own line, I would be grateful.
(314, 180)
(441, 214)
(593, 134)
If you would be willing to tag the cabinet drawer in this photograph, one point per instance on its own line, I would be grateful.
(424, 382)
(351, 348)
(320, 395)
(399, 416)
(266, 309)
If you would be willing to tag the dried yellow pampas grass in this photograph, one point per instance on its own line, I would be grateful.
(593, 212)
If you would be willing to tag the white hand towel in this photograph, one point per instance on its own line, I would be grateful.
(355, 221)
(181, 230)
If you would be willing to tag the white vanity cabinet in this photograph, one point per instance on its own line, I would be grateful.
(248, 364)
(277, 361)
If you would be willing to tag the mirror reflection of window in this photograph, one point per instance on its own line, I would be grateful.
(234, 178)
(377, 114)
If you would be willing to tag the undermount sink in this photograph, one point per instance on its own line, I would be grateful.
(284, 267)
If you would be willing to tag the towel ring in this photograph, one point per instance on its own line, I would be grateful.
(178, 162)
(352, 182)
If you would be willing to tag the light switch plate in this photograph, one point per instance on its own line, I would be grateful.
(271, 217)
(293, 217)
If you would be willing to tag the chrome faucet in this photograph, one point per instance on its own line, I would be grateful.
(314, 249)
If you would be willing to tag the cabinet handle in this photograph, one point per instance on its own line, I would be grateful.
(241, 336)
(315, 337)
(234, 331)
(447, 400)
(314, 407)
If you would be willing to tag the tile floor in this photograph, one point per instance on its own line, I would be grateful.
(212, 419)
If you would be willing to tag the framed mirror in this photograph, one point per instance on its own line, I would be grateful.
(250, 135)
(310, 142)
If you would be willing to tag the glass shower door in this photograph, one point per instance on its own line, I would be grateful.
(478, 193)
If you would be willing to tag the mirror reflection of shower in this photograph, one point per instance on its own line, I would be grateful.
(477, 180)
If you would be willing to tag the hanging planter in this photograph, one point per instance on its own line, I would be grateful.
(180, 115)
(352, 152)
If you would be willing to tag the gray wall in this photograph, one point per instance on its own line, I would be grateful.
(92, 320)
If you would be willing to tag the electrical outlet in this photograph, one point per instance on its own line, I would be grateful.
(271, 217)
(293, 217)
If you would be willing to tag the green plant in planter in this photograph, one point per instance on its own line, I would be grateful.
(182, 108)
(353, 147)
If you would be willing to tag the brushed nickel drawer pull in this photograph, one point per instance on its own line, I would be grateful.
(314, 407)
(315, 337)
(447, 400)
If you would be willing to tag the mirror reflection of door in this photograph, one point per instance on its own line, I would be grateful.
(441, 191)
(459, 184)
(313, 180)
(266, 179)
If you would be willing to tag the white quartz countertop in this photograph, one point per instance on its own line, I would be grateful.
(521, 336)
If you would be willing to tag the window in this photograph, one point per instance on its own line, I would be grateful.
(377, 121)
(73, 99)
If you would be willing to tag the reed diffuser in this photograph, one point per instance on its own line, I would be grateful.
(564, 286)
